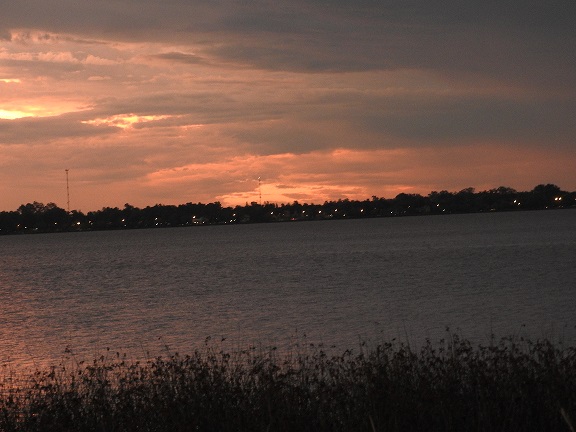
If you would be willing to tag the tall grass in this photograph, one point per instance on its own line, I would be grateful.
(451, 385)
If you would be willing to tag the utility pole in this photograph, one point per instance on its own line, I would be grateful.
(67, 191)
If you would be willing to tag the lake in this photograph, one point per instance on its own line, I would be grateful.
(156, 291)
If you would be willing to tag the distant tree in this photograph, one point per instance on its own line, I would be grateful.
(409, 203)
(31, 208)
(464, 201)
(544, 195)
(441, 202)
(9, 222)
(79, 221)
(55, 218)
(498, 199)
(37, 217)
(107, 218)
(503, 190)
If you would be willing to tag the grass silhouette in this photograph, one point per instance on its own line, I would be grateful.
(450, 385)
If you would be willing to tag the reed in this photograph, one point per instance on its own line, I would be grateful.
(449, 385)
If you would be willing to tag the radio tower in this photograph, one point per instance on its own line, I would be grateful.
(260, 190)
(67, 191)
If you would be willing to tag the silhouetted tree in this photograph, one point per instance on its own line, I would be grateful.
(37, 217)
(9, 222)
(55, 218)
(547, 195)
(410, 204)
(441, 202)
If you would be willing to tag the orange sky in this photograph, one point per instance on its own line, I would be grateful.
(171, 102)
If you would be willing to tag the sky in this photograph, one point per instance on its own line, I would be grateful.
(173, 101)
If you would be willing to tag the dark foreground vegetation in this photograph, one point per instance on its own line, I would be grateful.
(37, 217)
(508, 385)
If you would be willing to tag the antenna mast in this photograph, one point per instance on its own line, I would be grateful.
(67, 191)
(260, 190)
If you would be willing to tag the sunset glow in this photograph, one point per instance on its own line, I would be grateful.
(10, 115)
(183, 102)
(123, 121)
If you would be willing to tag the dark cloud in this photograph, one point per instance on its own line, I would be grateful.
(463, 120)
(423, 116)
(282, 137)
(179, 57)
(32, 67)
(555, 16)
(306, 54)
(189, 108)
(495, 37)
(34, 130)
(126, 19)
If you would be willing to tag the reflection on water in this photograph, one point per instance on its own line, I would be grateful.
(335, 281)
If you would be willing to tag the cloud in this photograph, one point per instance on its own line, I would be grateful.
(179, 57)
(459, 120)
(98, 78)
(5, 35)
(329, 36)
(179, 100)
(33, 130)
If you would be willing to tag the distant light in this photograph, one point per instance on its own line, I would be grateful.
(77, 223)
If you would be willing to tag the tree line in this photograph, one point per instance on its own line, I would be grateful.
(36, 217)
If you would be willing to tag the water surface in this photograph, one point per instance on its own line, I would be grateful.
(145, 291)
